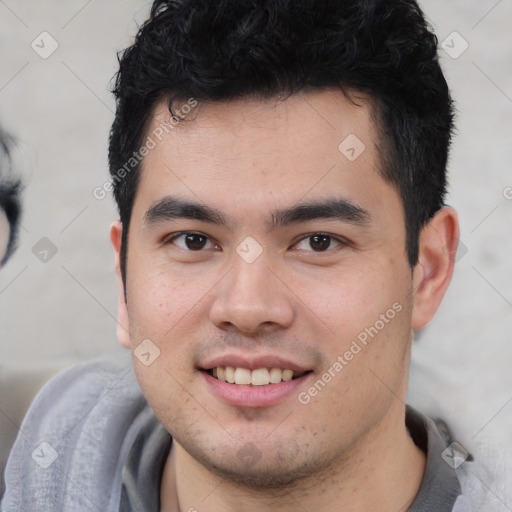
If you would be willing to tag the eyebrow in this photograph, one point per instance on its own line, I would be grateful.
(335, 209)
(169, 208)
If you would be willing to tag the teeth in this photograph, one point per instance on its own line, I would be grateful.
(242, 376)
(230, 374)
(287, 375)
(259, 377)
(275, 375)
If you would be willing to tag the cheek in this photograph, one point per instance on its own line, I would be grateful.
(166, 310)
(351, 300)
(158, 300)
(164, 390)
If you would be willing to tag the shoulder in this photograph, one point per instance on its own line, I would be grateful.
(74, 397)
(85, 384)
(74, 437)
(461, 505)
(485, 482)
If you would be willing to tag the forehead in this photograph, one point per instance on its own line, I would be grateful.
(322, 117)
(254, 151)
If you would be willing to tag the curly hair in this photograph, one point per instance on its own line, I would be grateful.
(230, 49)
(10, 190)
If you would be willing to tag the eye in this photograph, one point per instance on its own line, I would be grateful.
(192, 242)
(318, 242)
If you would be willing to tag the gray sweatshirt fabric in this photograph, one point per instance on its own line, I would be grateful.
(85, 421)
(90, 442)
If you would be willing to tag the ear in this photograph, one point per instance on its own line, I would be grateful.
(123, 324)
(438, 244)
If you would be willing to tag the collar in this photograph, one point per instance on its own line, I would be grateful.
(440, 487)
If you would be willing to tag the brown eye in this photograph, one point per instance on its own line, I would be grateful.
(195, 242)
(319, 242)
(192, 242)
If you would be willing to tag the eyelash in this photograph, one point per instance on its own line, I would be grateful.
(171, 239)
(337, 240)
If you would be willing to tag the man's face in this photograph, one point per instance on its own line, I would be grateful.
(257, 241)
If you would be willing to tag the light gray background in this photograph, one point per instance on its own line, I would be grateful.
(61, 111)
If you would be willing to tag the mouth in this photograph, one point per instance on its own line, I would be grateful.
(241, 376)
(254, 380)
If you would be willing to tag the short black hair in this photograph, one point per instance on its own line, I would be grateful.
(10, 190)
(230, 49)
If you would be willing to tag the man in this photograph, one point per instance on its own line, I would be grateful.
(10, 207)
(280, 169)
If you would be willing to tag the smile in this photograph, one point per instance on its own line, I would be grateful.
(257, 377)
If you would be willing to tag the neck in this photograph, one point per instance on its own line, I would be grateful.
(383, 472)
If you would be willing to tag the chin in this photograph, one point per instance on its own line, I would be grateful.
(260, 466)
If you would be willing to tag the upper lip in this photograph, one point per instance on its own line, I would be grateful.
(253, 363)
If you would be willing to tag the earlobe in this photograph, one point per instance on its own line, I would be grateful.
(123, 325)
(439, 240)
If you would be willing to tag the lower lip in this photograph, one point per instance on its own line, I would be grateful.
(254, 396)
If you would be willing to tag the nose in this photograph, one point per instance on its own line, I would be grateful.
(252, 299)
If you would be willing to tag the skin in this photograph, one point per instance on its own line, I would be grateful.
(248, 158)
